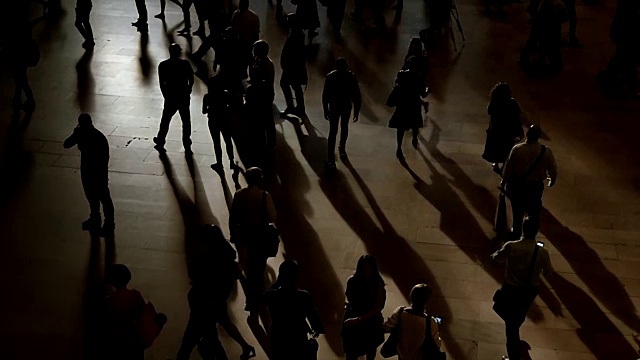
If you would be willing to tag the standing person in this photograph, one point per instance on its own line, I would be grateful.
(176, 82)
(525, 261)
(340, 92)
(247, 25)
(83, 13)
(417, 331)
(505, 127)
(406, 98)
(24, 53)
(545, 34)
(307, 11)
(294, 68)
(219, 104)
(94, 172)
(262, 77)
(529, 164)
(570, 5)
(293, 316)
(362, 331)
(335, 12)
(251, 210)
(141, 23)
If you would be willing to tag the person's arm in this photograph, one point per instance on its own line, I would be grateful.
(507, 169)
(392, 321)
(205, 103)
(72, 140)
(552, 167)
(501, 255)
(357, 99)
(313, 316)
(325, 96)
(190, 79)
(272, 214)
(435, 332)
(547, 269)
(161, 78)
(233, 216)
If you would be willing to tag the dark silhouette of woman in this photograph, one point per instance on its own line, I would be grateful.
(505, 127)
(362, 331)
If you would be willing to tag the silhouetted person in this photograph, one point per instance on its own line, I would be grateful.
(294, 67)
(545, 34)
(529, 164)
(176, 82)
(163, 6)
(262, 78)
(83, 13)
(247, 25)
(570, 5)
(252, 210)
(24, 53)
(376, 9)
(94, 165)
(229, 54)
(201, 12)
(219, 105)
(293, 316)
(525, 262)
(335, 12)
(505, 127)
(307, 12)
(418, 331)
(340, 92)
(419, 59)
(141, 23)
(406, 98)
(362, 330)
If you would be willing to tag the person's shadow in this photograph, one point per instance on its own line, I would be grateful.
(145, 60)
(86, 82)
(16, 161)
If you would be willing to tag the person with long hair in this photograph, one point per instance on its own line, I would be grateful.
(505, 127)
(362, 331)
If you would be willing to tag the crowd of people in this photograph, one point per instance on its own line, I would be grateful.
(243, 89)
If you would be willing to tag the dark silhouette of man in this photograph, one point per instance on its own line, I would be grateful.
(341, 91)
(335, 13)
(529, 164)
(294, 67)
(247, 25)
(176, 82)
(141, 23)
(83, 12)
(262, 77)
(547, 17)
(525, 262)
(94, 164)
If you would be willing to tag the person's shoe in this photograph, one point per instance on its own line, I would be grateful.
(217, 167)
(248, 353)
(504, 357)
(91, 224)
(342, 152)
(159, 16)
(232, 165)
(139, 23)
(575, 43)
(108, 229)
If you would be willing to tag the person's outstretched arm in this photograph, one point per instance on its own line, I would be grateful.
(72, 140)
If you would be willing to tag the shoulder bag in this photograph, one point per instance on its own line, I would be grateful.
(430, 350)
(503, 300)
(390, 347)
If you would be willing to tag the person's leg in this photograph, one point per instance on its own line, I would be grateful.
(93, 198)
(107, 205)
(80, 25)
(141, 6)
(517, 210)
(573, 23)
(300, 108)
(214, 130)
(286, 91)
(255, 280)
(513, 339)
(399, 138)
(529, 46)
(210, 346)
(345, 116)
(191, 338)
(87, 26)
(222, 315)
(170, 108)
(185, 116)
(414, 137)
(334, 119)
(228, 142)
(186, 12)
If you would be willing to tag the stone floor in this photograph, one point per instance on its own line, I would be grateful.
(431, 222)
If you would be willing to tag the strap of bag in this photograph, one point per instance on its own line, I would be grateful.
(535, 163)
(532, 265)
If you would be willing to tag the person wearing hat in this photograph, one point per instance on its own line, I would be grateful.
(94, 165)
(176, 82)
(529, 164)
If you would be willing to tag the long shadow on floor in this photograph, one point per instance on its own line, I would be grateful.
(597, 332)
(395, 255)
(588, 266)
(16, 161)
(289, 186)
(86, 83)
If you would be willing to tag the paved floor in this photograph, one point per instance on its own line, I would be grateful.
(430, 223)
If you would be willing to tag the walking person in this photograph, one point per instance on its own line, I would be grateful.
(176, 82)
(83, 13)
(94, 172)
(293, 317)
(545, 36)
(406, 97)
(417, 331)
(262, 78)
(573, 42)
(416, 53)
(341, 91)
(528, 166)
(247, 25)
(251, 211)
(525, 261)
(505, 126)
(294, 68)
(220, 103)
(362, 330)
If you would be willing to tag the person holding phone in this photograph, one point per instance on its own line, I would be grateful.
(526, 259)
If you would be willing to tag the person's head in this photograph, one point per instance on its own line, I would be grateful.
(117, 275)
(260, 48)
(501, 91)
(534, 133)
(175, 51)
(420, 295)
(341, 64)
(367, 269)
(253, 176)
(288, 273)
(84, 120)
(415, 47)
(529, 228)
(243, 5)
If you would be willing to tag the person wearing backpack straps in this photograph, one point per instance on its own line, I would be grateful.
(418, 336)
(529, 164)
(525, 261)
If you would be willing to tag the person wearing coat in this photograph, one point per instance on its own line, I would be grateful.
(294, 68)
(505, 128)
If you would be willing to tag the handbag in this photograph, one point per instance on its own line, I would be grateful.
(514, 187)
(430, 350)
(503, 300)
(390, 346)
(271, 241)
